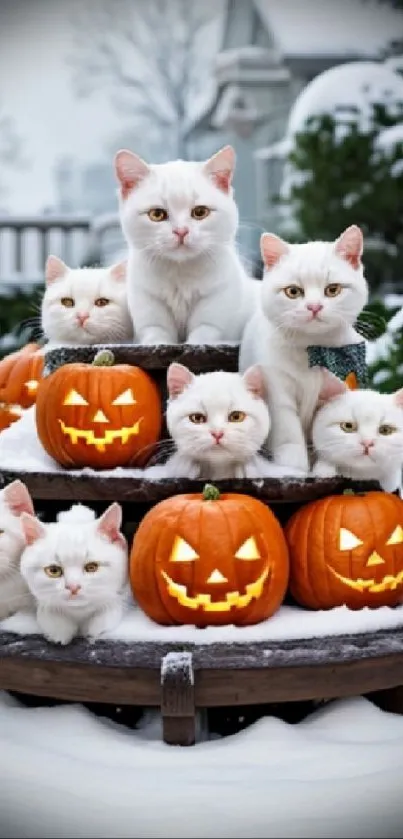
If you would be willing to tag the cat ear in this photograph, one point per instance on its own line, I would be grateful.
(398, 398)
(331, 386)
(350, 245)
(130, 170)
(221, 168)
(118, 271)
(32, 528)
(255, 381)
(110, 522)
(272, 249)
(18, 499)
(55, 269)
(178, 378)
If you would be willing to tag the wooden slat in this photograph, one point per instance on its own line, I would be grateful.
(178, 699)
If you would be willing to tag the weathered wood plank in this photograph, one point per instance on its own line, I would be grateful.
(199, 359)
(178, 699)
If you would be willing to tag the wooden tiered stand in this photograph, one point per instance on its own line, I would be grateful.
(181, 678)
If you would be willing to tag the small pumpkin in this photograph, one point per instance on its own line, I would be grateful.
(347, 550)
(100, 415)
(209, 559)
(20, 373)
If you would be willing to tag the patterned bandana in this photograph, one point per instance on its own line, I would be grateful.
(342, 361)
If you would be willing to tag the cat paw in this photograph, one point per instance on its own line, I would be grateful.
(102, 622)
(323, 470)
(292, 457)
(56, 628)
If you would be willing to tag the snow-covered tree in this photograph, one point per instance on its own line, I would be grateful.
(11, 146)
(156, 59)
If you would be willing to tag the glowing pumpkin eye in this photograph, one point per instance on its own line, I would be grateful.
(74, 398)
(397, 536)
(125, 398)
(347, 540)
(249, 550)
(32, 385)
(182, 551)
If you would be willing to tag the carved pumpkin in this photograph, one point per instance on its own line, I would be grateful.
(347, 549)
(209, 559)
(20, 373)
(100, 415)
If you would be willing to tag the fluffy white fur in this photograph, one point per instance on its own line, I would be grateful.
(85, 305)
(186, 281)
(78, 602)
(277, 336)
(14, 593)
(361, 450)
(218, 447)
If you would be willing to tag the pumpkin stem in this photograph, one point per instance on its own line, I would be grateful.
(104, 358)
(348, 492)
(210, 493)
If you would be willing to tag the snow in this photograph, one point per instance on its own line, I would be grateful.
(289, 623)
(67, 773)
(354, 85)
(390, 137)
(380, 349)
(318, 28)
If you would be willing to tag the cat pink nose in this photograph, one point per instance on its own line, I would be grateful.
(73, 588)
(217, 435)
(181, 233)
(367, 445)
(82, 317)
(315, 308)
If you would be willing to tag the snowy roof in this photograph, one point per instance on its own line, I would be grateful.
(325, 27)
(354, 85)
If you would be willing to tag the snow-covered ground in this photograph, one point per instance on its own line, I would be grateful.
(67, 773)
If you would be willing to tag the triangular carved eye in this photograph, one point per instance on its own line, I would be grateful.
(248, 550)
(397, 536)
(182, 551)
(125, 398)
(74, 398)
(347, 540)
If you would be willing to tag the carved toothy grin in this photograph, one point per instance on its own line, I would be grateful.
(233, 599)
(110, 435)
(388, 583)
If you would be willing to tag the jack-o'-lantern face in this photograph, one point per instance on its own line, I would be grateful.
(98, 416)
(20, 373)
(209, 561)
(348, 550)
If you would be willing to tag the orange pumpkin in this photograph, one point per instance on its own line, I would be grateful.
(209, 559)
(99, 415)
(20, 373)
(347, 550)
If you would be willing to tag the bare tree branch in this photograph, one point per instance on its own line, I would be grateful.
(149, 54)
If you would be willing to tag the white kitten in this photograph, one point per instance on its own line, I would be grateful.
(311, 295)
(359, 434)
(85, 305)
(77, 570)
(14, 593)
(186, 281)
(218, 422)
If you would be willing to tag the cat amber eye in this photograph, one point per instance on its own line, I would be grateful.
(386, 429)
(157, 214)
(200, 212)
(91, 567)
(53, 571)
(197, 418)
(333, 290)
(68, 302)
(348, 427)
(236, 416)
(101, 301)
(293, 291)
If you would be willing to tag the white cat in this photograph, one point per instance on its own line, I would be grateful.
(14, 593)
(311, 296)
(186, 281)
(77, 570)
(218, 422)
(85, 305)
(358, 434)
